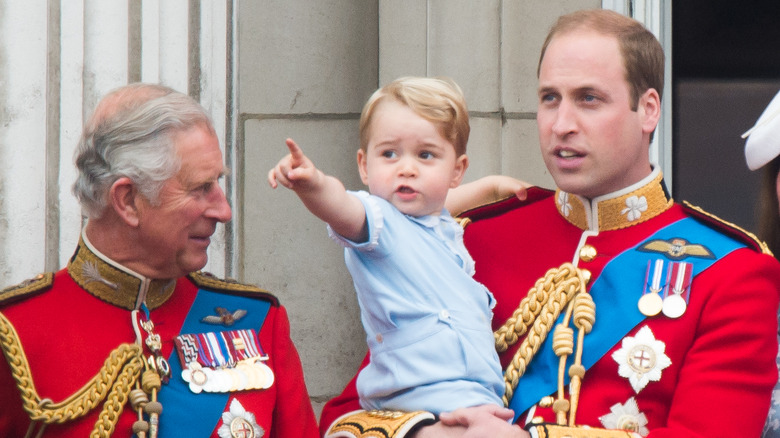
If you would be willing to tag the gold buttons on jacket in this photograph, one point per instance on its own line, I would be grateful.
(587, 253)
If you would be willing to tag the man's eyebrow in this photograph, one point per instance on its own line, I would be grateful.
(586, 89)
(578, 90)
(209, 180)
(544, 90)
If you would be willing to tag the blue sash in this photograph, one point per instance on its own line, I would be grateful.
(616, 293)
(187, 414)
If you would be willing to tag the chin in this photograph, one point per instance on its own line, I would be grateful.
(570, 185)
(195, 264)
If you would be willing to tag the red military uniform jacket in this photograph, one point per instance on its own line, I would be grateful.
(67, 325)
(708, 372)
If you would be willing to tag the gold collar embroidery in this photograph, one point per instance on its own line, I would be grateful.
(633, 205)
(115, 284)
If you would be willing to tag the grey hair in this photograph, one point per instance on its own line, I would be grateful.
(130, 135)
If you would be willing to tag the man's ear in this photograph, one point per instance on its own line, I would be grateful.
(123, 199)
(649, 107)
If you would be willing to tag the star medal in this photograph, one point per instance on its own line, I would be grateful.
(237, 422)
(641, 359)
(626, 416)
(676, 300)
(227, 361)
(651, 303)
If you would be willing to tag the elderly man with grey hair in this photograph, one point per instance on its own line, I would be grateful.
(131, 336)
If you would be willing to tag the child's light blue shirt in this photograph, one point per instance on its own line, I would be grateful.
(427, 321)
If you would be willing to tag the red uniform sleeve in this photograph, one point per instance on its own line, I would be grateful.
(725, 384)
(345, 402)
(293, 415)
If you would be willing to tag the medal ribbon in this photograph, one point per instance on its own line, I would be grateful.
(681, 278)
(230, 349)
(215, 349)
(252, 348)
(611, 292)
(658, 269)
(205, 356)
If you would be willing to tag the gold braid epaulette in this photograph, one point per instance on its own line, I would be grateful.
(34, 285)
(207, 280)
(556, 431)
(378, 424)
(731, 228)
(113, 383)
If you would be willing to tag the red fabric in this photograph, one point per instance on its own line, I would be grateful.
(67, 334)
(722, 349)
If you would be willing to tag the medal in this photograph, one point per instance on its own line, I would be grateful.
(651, 303)
(227, 361)
(626, 416)
(237, 422)
(641, 359)
(676, 301)
(674, 306)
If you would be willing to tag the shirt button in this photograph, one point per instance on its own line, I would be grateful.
(444, 314)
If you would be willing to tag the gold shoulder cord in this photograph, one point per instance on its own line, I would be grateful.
(541, 307)
(113, 383)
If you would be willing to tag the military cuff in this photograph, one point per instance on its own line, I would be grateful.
(378, 424)
(548, 430)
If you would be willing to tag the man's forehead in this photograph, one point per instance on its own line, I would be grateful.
(584, 43)
(577, 63)
(199, 153)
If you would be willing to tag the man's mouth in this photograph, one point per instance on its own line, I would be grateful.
(203, 237)
(565, 153)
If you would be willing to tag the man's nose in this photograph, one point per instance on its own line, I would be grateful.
(219, 208)
(565, 119)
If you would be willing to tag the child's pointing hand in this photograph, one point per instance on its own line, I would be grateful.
(295, 171)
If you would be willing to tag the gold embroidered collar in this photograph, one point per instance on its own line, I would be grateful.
(624, 208)
(113, 283)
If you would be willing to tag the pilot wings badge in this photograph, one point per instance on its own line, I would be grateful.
(224, 316)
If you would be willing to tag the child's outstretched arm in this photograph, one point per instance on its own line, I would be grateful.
(483, 191)
(324, 195)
